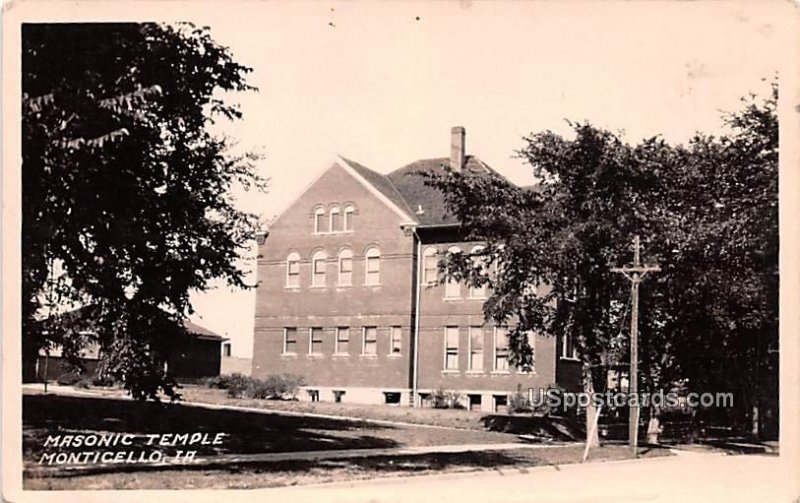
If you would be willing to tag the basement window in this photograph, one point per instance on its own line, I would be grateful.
(391, 398)
(337, 395)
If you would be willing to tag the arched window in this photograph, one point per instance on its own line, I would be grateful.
(452, 288)
(478, 293)
(318, 269)
(345, 268)
(429, 266)
(293, 270)
(319, 219)
(349, 212)
(336, 219)
(372, 266)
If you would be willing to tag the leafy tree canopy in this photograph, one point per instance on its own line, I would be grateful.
(706, 212)
(125, 190)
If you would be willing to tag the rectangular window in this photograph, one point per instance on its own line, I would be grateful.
(345, 271)
(451, 348)
(226, 349)
(319, 221)
(315, 341)
(429, 268)
(319, 272)
(501, 349)
(293, 273)
(568, 349)
(342, 341)
(336, 221)
(452, 288)
(475, 348)
(478, 293)
(370, 341)
(290, 341)
(474, 402)
(395, 340)
(373, 273)
(500, 404)
(348, 218)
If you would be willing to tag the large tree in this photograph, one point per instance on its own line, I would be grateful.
(126, 193)
(706, 212)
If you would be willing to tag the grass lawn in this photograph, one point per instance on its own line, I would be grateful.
(251, 476)
(455, 418)
(548, 429)
(254, 432)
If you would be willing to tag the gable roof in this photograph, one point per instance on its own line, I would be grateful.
(81, 319)
(427, 202)
(382, 184)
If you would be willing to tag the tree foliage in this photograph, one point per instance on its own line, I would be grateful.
(706, 212)
(125, 190)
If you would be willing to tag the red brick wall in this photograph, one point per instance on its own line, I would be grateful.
(355, 306)
(463, 312)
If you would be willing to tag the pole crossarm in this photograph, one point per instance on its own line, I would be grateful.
(635, 274)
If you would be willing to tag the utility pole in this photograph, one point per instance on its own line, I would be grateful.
(635, 275)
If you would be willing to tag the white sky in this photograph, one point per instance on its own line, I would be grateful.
(384, 88)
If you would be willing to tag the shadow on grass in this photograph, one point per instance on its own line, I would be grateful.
(547, 428)
(375, 465)
(247, 432)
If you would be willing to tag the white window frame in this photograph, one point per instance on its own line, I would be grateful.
(291, 258)
(532, 343)
(495, 370)
(311, 340)
(449, 283)
(429, 252)
(337, 350)
(318, 256)
(470, 367)
(482, 292)
(319, 210)
(565, 338)
(286, 340)
(364, 341)
(458, 337)
(347, 218)
(373, 252)
(393, 330)
(345, 254)
(334, 211)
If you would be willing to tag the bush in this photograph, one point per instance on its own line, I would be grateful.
(238, 385)
(518, 403)
(273, 387)
(69, 379)
(443, 399)
(84, 383)
(224, 381)
(543, 408)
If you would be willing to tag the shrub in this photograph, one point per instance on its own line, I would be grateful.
(224, 381)
(443, 399)
(542, 408)
(239, 385)
(518, 402)
(273, 387)
(84, 383)
(68, 379)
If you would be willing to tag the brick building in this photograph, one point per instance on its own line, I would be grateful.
(348, 296)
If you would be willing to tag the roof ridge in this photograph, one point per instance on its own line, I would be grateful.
(398, 196)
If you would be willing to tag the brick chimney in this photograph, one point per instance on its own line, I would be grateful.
(457, 157)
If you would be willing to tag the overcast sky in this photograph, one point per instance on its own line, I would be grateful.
(383, 83)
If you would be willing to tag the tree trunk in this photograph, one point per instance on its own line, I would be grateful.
(592, 437)
(654, 425)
